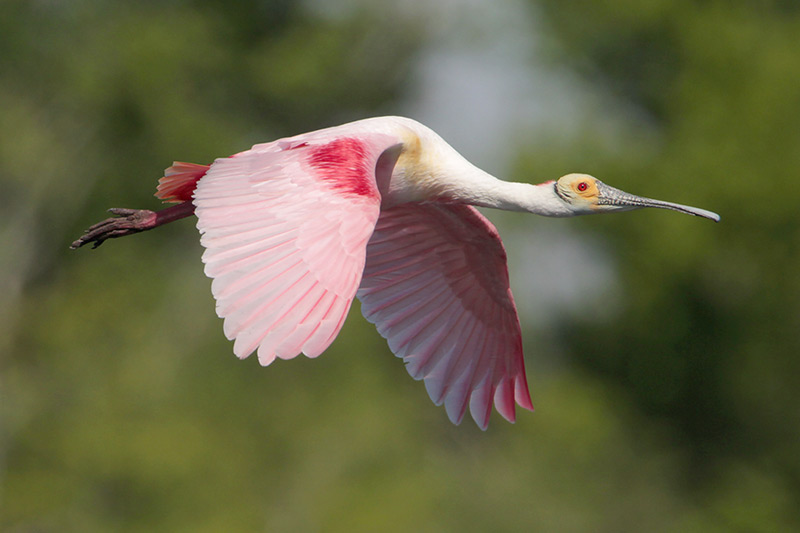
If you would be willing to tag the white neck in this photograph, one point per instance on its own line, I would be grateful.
(481, 189)
(539, 199)
(438, 171)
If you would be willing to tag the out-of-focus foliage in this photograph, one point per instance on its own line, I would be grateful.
(709, 338)
(123, 409)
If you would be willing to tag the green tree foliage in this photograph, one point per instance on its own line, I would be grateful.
(708, 339)
(122, 408)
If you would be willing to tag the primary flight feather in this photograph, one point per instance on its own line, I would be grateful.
(381, 209)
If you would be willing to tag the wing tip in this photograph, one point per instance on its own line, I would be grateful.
(522, 393)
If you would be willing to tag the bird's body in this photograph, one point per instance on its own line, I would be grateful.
(380, 209)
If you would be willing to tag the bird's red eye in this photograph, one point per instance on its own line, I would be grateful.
(582, 186)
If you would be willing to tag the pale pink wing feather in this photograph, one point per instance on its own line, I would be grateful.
(436, 286)
(285, 227)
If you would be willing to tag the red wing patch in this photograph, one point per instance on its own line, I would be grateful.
(345, 165)
(179, 181)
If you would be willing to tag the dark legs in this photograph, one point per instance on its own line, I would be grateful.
(129, 221)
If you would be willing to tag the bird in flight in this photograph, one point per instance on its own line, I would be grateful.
(382, 209)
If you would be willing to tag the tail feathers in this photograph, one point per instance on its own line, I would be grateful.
(179, 181)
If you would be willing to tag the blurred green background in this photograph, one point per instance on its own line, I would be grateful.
(663, 351)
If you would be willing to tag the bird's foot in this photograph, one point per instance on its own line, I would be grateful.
(126, 222)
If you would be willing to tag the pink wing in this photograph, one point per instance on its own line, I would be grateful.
(436, 286)
(285, 227)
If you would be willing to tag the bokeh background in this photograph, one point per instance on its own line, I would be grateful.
(663, 351)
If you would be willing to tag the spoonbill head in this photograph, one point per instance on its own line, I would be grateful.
(586, 195)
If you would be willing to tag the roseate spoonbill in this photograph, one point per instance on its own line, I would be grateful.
(381, 209)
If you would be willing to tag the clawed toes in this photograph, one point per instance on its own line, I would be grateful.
(126, 222)
(124, 211)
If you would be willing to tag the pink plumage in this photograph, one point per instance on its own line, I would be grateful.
(288, 227)
(179, 181)
(285, 245)
(344, 164)
(380, 209)
(436, 287)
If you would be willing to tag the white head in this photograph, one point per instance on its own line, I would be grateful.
(583, 195)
